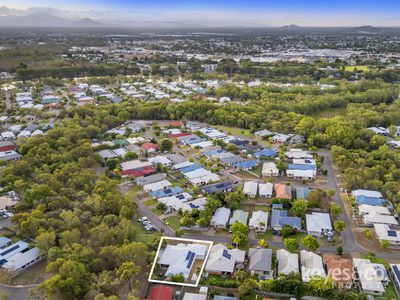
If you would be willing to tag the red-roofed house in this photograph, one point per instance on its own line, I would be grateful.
(161, 292)
(7, 146)
(175, 124)
(149, 147)
(178, 135)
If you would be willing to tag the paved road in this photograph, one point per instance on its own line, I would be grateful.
(350, 244)
(17, 292)
(153, 218)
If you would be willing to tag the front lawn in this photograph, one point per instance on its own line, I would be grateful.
(151, 202)
(265, 235)
(174, 222)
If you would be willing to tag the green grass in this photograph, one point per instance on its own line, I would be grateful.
(236, 131)
(257, 171)
(174, 222)
(261, 207)
(132, 193)
(358, 68)
(30, 275)
(390, 293)
(151, 202)
(265, 235)
(376, 260)
(157, 211)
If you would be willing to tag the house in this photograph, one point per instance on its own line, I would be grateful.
(301, 174)
(141, 181)
(395, 274)
(220, 218)
(22, 260)
(161, 292)
(224, 186)
(340, 269)
(176, 201)
(302, 192)
(13, 249)
(385, 233)
(260, 262)
(263, 133)
(280, 138)
(247, 164)
(4, 242)
(298, 154)
(7, 202)
(283, 191)
(149, 147)
(7, 146)
(166, 192)
(180, 258)
(376, 215)
(371, 276)
(318, 224)
(157, 186)
(221, 260)
(176, 158)
(192, 296)
(311, 265)
(265, 190)
(135, 165)
(239, 216)
(218, 297)
(10, 155)
(267, 152)
(250, 189)
(287, 262)
(279, 218)
(269, 169)
(367, 193)
(258, 221)
(159, 159)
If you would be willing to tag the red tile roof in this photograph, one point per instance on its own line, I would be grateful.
(161, 292)
(177, 135)
(148, 146)
(175, 123)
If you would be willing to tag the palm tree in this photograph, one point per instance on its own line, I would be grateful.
(262, 243)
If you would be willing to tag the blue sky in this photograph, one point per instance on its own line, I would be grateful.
(222, 12)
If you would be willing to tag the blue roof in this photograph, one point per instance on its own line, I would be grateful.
(279, 217)
(216, 187)
(166, 192)
(302, 192)
(248, 164)
(301, 167)
(224, 298)
(361, 199)
(215, 151)
(191, 168)
(267, 152)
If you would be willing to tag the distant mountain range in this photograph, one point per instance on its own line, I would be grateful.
(52, 21)
(46, 20)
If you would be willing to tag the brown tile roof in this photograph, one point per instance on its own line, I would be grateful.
(339, 269)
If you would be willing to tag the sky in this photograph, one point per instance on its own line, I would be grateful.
(218, 12)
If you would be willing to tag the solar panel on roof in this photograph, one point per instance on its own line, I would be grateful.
(191, 258)
(9, 250)
(397, 272)
(226, 254)
(180, 197)
(392, 233)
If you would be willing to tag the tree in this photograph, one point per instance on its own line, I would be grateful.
(315, 198)
(241, 276)
(178, 278)
(300, 207)
(233, 199)
(262, 243)
(248, 287)
(240, 233)
(323, 287)
(231, 147)
(310, 242)
(126, 271)
(287, 231)
(291, 244)
(385, 244)
(46, 240)
(331, 192)
(367, 233)
(335, 209)
(339, 226)
(165, 145)
(339, 250)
